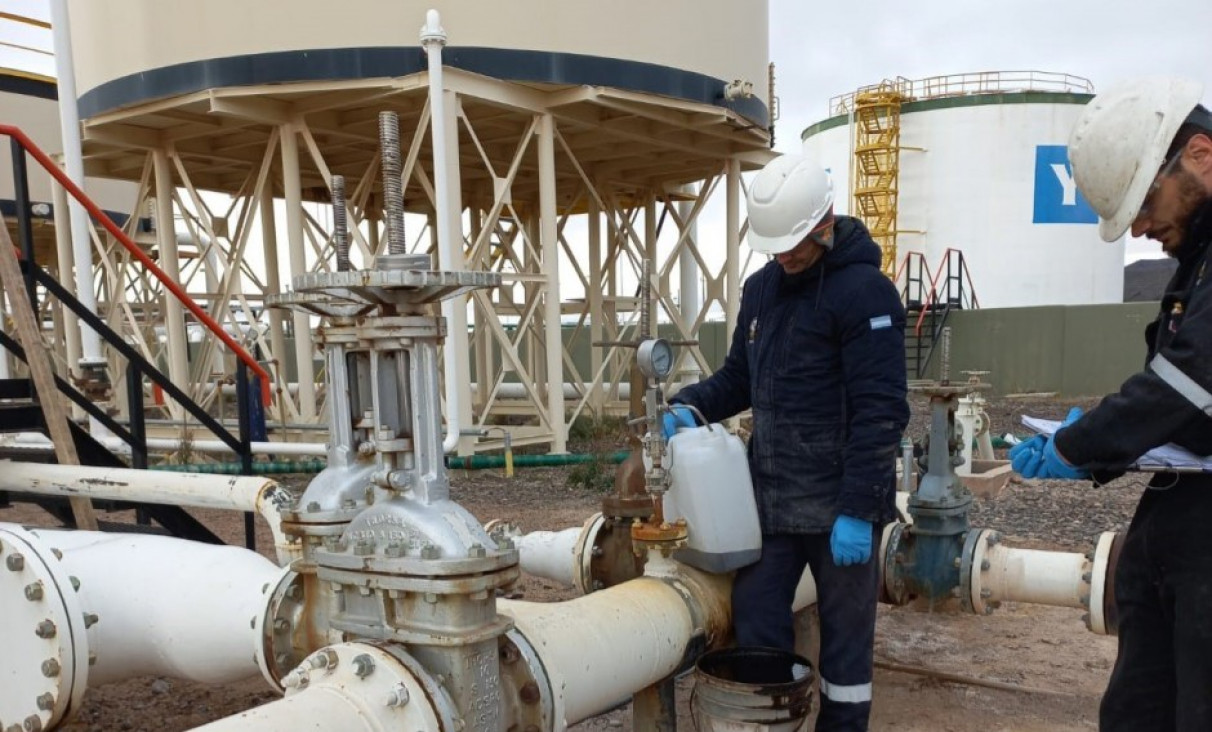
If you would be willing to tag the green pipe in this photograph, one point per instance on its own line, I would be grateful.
(259, 468)
(471, 462)
(480, 462)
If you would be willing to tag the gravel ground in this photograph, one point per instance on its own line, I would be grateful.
(1061, 667)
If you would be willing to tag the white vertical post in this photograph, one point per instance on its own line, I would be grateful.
(73, 158)
(64, 254)
(170, 262)
(689, 300)
(304, 347)
(484, 362)
(273, 286)
(594, 298)
(732, 226)
(551, 265)
(457, 356)
(647, 288)
(444, 130)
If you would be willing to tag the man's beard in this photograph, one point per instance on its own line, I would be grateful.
(1193, 198)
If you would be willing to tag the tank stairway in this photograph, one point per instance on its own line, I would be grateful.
(877, 139)
(24, 410)
(929, 298)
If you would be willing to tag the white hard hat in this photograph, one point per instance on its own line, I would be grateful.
(1119, 143)
(787, 199)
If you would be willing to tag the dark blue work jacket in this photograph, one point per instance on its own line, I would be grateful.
(820, 358)
(1171, 399)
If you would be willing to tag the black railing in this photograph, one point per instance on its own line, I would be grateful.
(137, 367)
(950, 289)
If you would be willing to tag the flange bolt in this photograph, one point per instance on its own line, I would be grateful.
(363, 666)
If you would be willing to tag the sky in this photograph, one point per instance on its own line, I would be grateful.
(822, 49)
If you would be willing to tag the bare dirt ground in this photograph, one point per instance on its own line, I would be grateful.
(1058, 667)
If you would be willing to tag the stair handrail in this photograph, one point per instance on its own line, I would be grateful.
(931, 297)
(95, 211)
(904, 267)
(964, 273)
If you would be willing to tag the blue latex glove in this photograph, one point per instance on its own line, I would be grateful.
(850, 541)
(1038, 457)
(677, 416)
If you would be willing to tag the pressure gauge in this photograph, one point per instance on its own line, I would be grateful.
(655, 358)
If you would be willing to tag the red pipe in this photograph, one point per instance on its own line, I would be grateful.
(96, 212)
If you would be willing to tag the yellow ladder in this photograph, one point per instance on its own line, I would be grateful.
(877, 138)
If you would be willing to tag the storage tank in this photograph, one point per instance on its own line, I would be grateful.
(29, 102)
(984, 169)
(131, 51)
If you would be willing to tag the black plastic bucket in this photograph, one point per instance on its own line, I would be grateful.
(751, 688)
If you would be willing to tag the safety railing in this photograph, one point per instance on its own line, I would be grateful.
(979, 82)
(929, 296)
(138, 366)
(916, 273)
(22, 144)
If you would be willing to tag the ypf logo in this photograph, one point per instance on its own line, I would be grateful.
(1057, 200)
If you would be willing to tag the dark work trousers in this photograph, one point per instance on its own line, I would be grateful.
(761, 607)
(1163, 594)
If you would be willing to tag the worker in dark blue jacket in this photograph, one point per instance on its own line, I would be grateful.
(1142, 156)
(818, 355)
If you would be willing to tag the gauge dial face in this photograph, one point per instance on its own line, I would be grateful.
(655, 357)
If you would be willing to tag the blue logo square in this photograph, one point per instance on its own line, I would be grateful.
(1057, 200)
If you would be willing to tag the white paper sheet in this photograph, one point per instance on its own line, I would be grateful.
(1159, 458)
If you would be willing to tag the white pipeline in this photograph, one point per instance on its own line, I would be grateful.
(599, 649)
(433, 38)
(1027, 575)
(562, 556)
(550, 555)
(38, 441)
(196, 490)
(163, 606)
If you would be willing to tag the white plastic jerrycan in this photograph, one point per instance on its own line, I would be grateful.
(710, 487)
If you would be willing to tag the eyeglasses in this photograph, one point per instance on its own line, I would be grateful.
(1166, 169)
(823, 233)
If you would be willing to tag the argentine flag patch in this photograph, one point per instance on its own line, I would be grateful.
(882, 321)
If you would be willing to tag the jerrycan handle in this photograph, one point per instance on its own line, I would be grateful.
(698, 414)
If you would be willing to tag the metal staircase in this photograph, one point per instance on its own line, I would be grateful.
(22, 408)
(877, 143)
(929, 299)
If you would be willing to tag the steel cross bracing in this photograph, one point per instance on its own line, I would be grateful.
(553, 182)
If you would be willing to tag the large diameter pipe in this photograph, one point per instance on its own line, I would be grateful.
(162, 606)
(236, 493)
(563, 556)
(1001, 573)
(599, 649)
(353, 687)
(551, 554)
